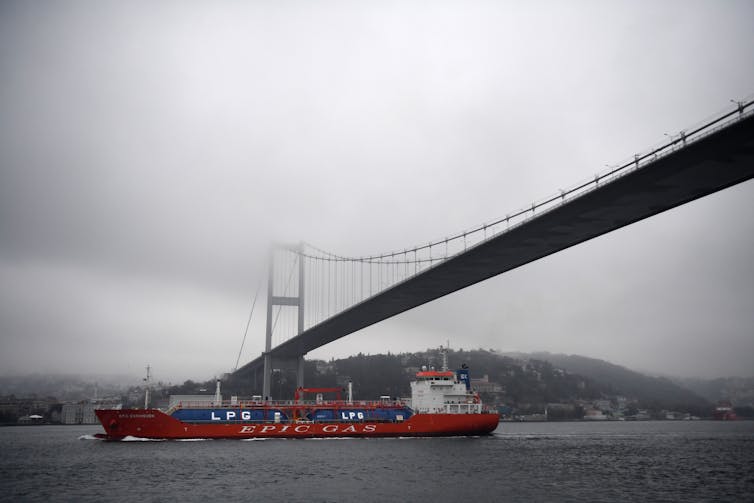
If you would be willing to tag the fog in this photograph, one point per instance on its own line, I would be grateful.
(150, 152)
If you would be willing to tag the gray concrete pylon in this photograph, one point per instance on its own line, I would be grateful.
(273, 300)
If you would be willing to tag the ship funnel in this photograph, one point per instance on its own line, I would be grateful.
(463, 376)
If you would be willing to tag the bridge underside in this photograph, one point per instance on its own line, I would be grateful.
(708, 165)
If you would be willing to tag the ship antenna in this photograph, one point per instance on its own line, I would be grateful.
(444, 353)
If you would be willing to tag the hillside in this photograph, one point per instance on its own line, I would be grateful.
(524, 382)
(65, 387)
(738, 390)
(650, 391)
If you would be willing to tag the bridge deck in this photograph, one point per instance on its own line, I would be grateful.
(720, 160)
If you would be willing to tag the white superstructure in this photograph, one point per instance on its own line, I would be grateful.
(438, 392)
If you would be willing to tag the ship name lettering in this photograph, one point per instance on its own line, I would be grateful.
(215, 418)
(245, 415)
(304, 428)
(230, 415)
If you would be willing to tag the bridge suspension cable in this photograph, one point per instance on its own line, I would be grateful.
(475, 235)
(248, 323)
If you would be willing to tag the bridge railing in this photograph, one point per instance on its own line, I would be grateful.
(640, 160)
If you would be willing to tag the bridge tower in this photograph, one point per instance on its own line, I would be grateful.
(283, 300)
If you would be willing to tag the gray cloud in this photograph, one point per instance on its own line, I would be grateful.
(149, 152)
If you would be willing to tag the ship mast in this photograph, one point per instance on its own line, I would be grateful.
(146, 393)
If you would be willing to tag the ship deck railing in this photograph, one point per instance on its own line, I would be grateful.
(285, 404)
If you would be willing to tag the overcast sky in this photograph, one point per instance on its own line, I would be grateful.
(149, 152)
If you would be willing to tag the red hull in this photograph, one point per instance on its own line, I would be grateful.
(155, 424)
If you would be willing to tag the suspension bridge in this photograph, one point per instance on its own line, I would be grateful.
(315, 297)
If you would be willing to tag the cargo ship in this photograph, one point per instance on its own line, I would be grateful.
(442, 403)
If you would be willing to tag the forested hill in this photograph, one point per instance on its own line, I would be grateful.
(519, 380)
(620, 380)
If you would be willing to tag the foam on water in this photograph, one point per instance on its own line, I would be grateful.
(129, 438)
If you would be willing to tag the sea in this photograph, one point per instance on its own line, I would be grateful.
(579, 461)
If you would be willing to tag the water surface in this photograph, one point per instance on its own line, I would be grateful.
(609, 461)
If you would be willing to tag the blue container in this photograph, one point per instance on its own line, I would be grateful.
(322, 415)
(391, 414)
